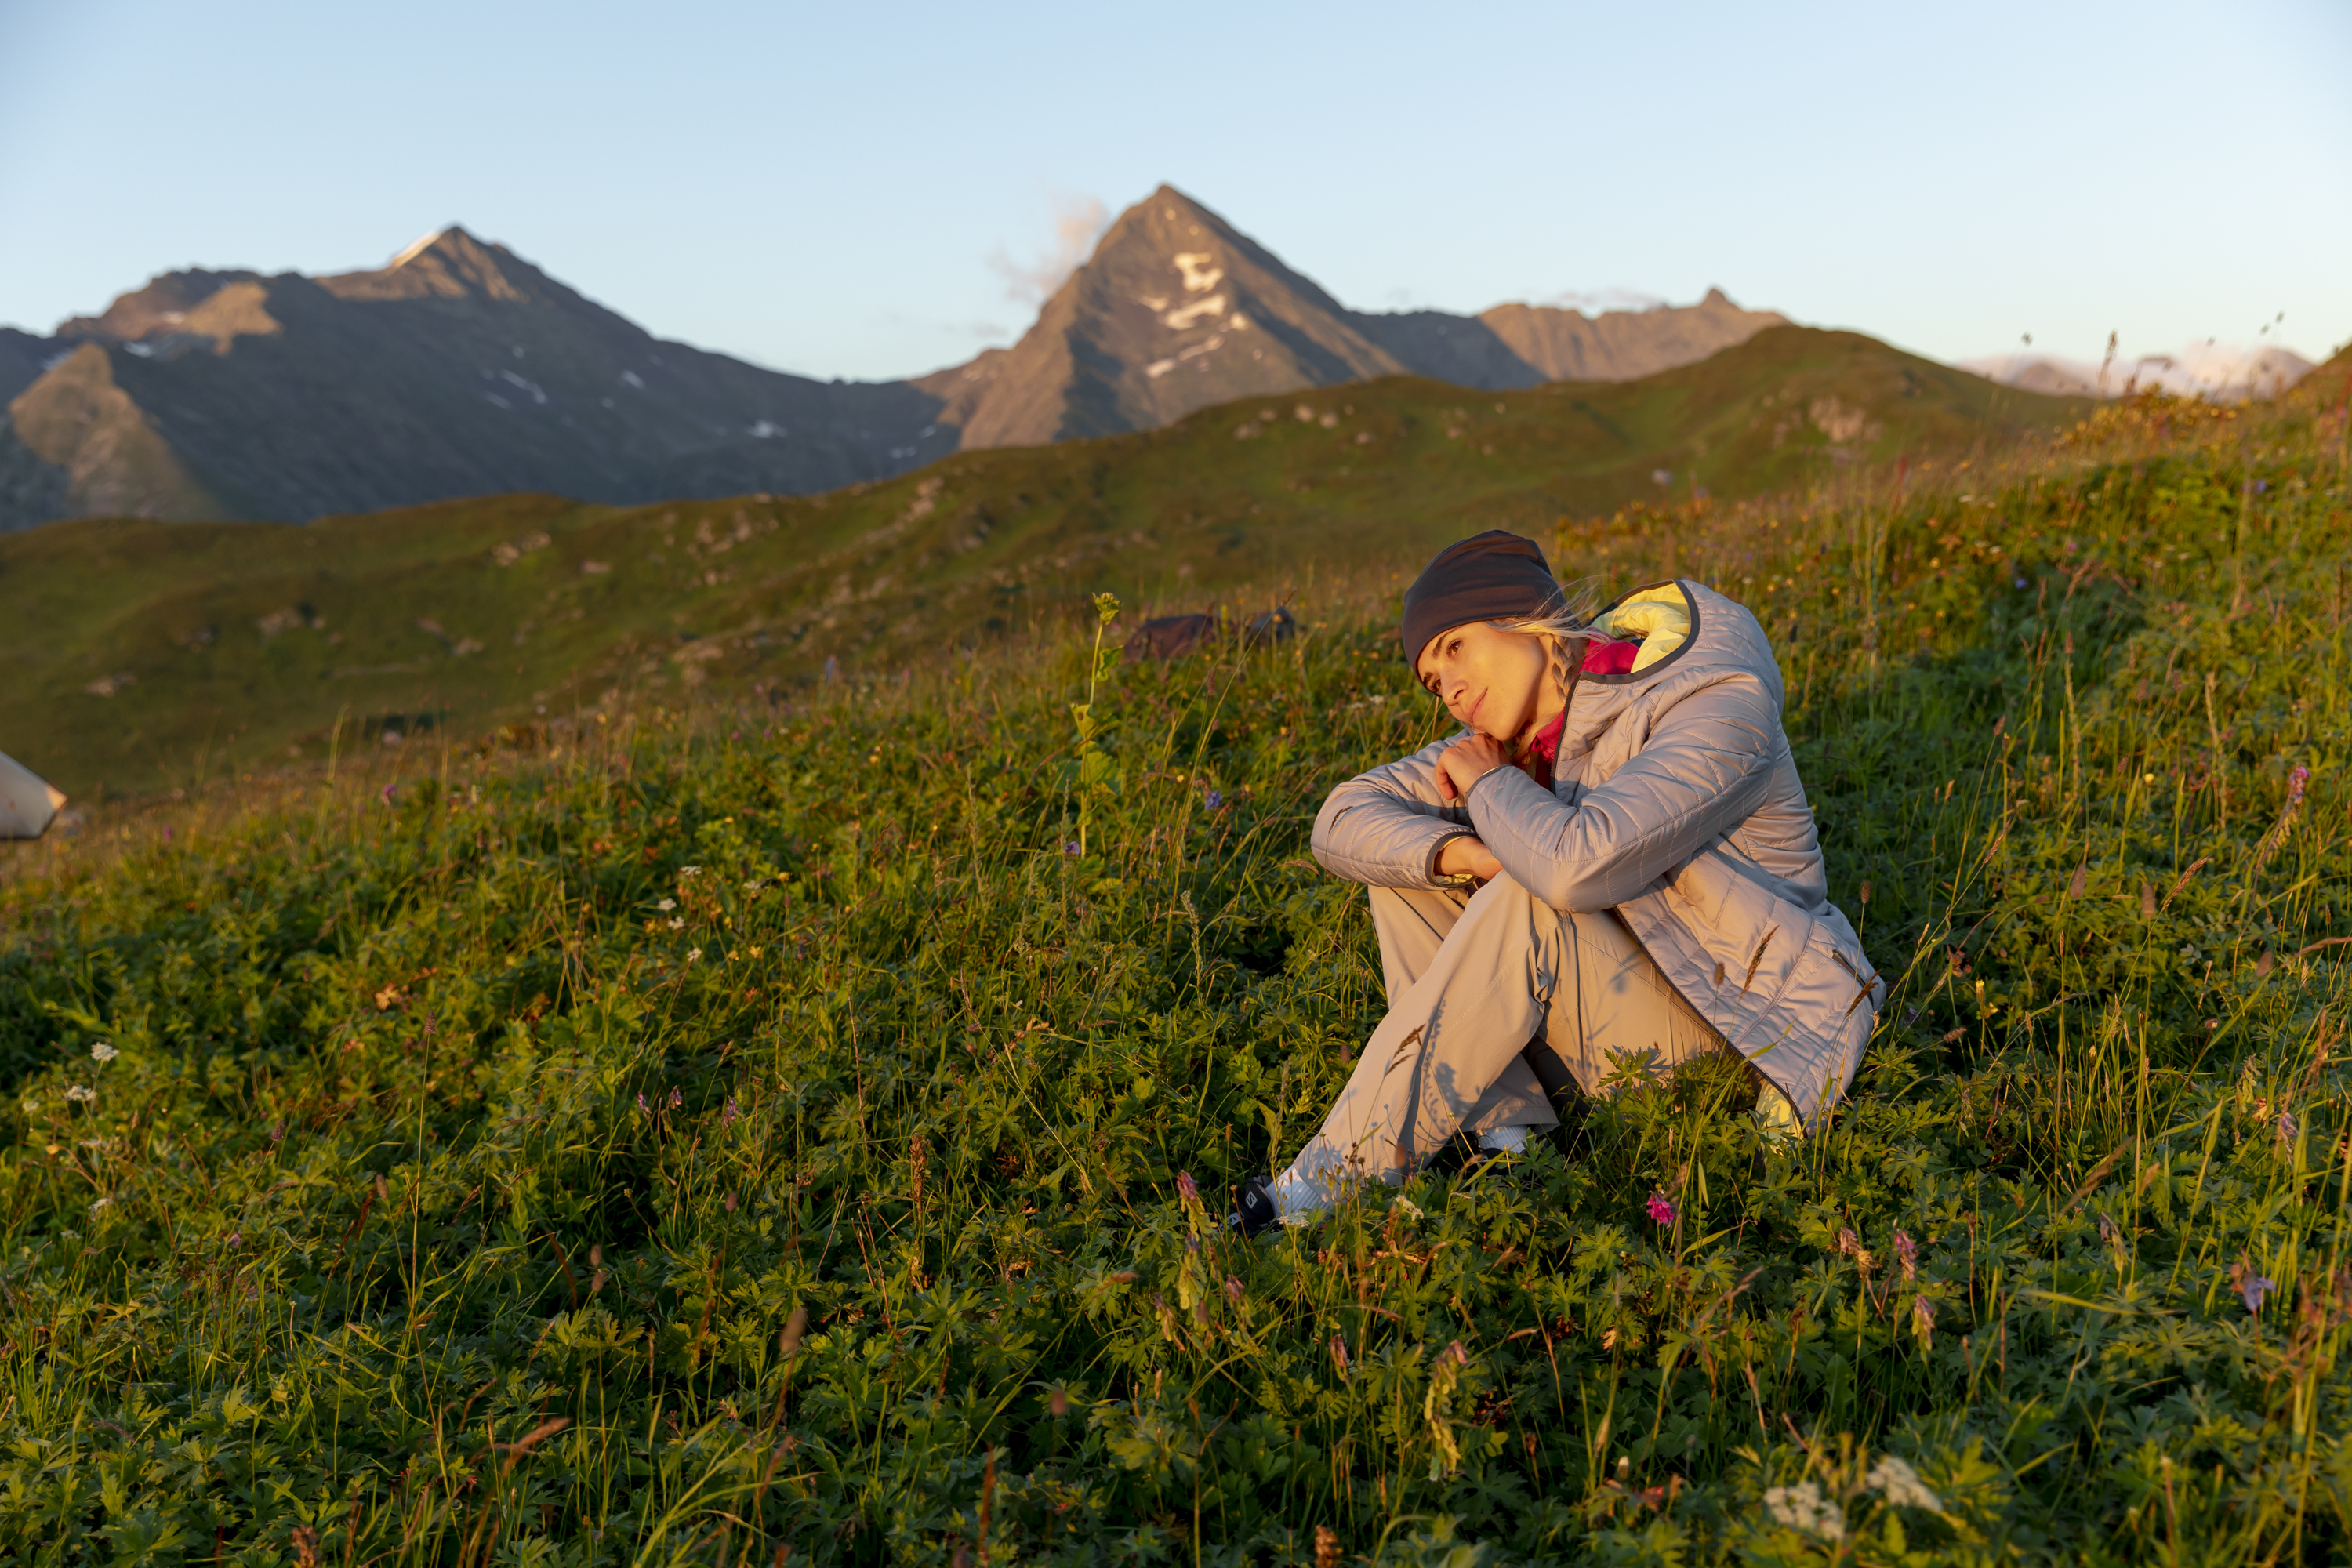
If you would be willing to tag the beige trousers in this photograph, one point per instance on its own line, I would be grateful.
(1496, 1000)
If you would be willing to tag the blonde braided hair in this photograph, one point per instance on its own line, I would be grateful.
(1567, 624)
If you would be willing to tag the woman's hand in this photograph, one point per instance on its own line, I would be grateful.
(1466, 762)
(1469, 854)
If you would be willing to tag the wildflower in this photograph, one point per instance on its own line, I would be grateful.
(677, 925)
(693, 954)
(2288, 1126)
(81, 1092)
(101, 1205)
(1071, 847)
(1233, 1291)
(666, 905)
(1661, 1207)
(1906, 1255)
(2252, 1288)
(1340, 1353)
(387, 795)
(277, 1132)
(726, 1117)
(685, 872)
(1899, 1484)
(235, 1239)
(676, 1099)
(1923, 1321)
(1187, 1189)
(103, 1052)
(1802, 1507)
(643, 1108)
(32, 1108)
(1216, 800)
(1058, 1402)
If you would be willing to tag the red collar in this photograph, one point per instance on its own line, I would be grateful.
(1599, 658)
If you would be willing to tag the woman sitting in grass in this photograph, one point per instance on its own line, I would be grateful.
(1611, 871)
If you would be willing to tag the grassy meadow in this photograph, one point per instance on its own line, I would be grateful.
(147, 657)
(746, 1132)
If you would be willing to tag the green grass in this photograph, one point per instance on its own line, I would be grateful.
(770, 1098)
(149, 656)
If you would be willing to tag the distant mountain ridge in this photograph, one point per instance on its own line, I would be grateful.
(1177, 310)
(460, 369)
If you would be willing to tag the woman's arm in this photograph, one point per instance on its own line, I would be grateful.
(1388, 827)
(1705, 768)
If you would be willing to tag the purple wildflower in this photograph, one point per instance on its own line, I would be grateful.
(676, 1099)
(387, 795)
(1340, 1353)
(1187, 1188)
(1661, 1207)
(1216, 799)
(728, 1116)
(643, 1108)
(1907, 1254)
(2296, 780)
(1233, 1291)
(1071, 847)
(2253, 1288)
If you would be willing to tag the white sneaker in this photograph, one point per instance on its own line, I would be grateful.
(1503, 1139)
(1776, 1117)
(1297, 1199)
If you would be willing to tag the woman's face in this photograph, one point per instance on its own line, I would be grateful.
(1488, 678)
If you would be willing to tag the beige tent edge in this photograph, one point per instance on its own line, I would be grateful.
(28, 803)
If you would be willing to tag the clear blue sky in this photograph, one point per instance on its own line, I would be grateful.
(822, 188)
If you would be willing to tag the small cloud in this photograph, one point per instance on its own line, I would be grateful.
(1595, 300)
(1078, 222)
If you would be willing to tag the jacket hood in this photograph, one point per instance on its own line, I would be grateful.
(1723, 638)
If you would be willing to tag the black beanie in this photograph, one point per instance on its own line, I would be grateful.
(1492, 576)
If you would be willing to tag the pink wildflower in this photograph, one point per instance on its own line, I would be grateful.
(1187, 1188)
(1661, 1207)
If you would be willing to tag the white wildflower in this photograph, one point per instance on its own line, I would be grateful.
(32, 1108)
(1901, 1485)
(686, 871)
(666, 905)
(103, 1052)
(693, 954)
(81, 1092)
(101, 1205)
(1802, 1507)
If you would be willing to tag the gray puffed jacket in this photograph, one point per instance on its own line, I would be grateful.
(1677, 803)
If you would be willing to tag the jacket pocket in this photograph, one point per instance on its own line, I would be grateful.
(1754, 939)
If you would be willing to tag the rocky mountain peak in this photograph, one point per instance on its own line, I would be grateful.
(448, 264)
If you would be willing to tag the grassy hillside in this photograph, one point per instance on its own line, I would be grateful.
(764, 1138)
(145, 655)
